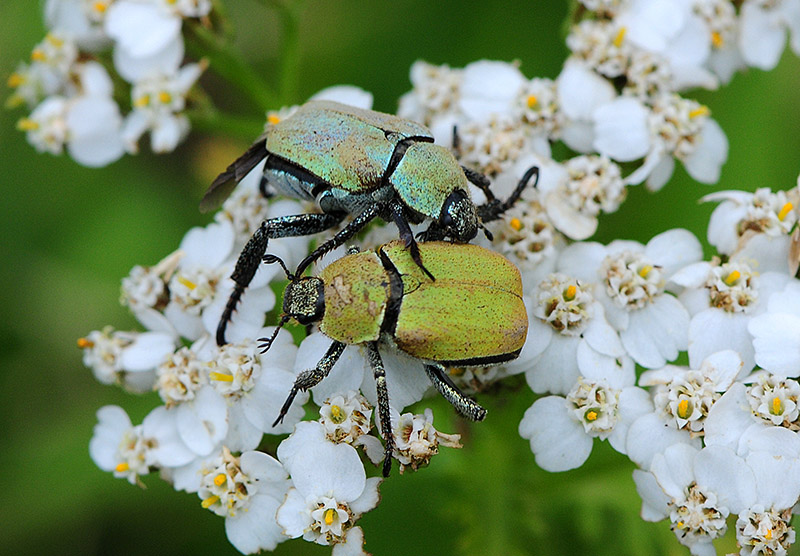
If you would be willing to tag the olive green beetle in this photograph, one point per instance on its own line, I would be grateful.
(357, 162)
(472, 314)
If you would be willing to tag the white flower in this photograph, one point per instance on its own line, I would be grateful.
(722, 300)
(255, 387)
(580, 93)
(246, 491)
(416, 441)
(775, 333)
(561, 430)
(568, 336)
(764, 28)
(330, 489)
(489, 88)
(145, 27)
(158, 101)
(435, 92)
(131, 451)
(126, 358)
(80, 19)
(683, 397)
(346, 417)
(632, 281)
(754, 227)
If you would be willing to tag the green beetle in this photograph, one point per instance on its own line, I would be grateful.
(472, 314)
(357, 162)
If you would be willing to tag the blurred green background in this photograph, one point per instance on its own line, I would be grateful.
(70, 233)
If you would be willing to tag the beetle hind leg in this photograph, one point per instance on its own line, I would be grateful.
(379, 372)
(312, 377)
(464, 405)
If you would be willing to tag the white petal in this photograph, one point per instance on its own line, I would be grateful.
(674, 470)
(202, 424)
(328, 469)
(353, 545)
(711, 152)
(673, 250)
(650, 435)
(256, 528)
(621, 129)
(720, 470)
(346, 94)
(761, 38)
(714, 330)
(776, 342)
(267, 398)
(164, 61)
(406, 380)
(776, 479)
(112, 424)
(657, 332)
(728, 418)
(573, 224)
(580, 91)
(306, 433)
(167, 132)
(169, 449)
(369, 498)
(661, 173)
(489, 87)
(617, 372)
(633, 403)
(262, 467)
(147, 351)
(602, 336)
(557, 440)
(141, 28)
(722, 368)
(778, 441)
(293, 515)
(654, 499)
(556, 370)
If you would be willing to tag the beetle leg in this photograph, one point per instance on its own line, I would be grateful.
(407, 235)
(379, 372)
(480, 181)
(353, 227)
(462, 404)
(253, 252)
(493, 209)
(311, 377)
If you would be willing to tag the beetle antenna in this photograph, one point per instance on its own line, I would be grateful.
(266, 343)
(270, 259)
(489, 235)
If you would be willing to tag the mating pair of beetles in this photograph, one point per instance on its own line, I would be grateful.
(446, 303)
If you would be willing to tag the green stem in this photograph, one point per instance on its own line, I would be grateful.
(216, 122)
(229, 64)
(289, 59)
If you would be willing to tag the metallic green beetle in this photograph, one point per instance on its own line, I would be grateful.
(358, 162)
(472, 314)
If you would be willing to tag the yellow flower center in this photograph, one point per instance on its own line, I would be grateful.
(38, 56)
(164, 97)
(142, 101)
(532, 101)
(210, 501)
(122, 467)
(330, 514)
(591, 415)
(683, 409)
(337, 415)
(785, 210)
(733, 277)
(100, 7)
(645, 270)
(699, 111)
(515, 223)
(777, 406)
(220, 479)
(716, 39)
(222, 377)
(620, 36)
(569, 293)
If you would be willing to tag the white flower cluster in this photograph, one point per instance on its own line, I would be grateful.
(219, 402)
(711, 439)
(715, 438)
(71, 95)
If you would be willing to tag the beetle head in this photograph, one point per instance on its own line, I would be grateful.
(304, 299)
(459, 217)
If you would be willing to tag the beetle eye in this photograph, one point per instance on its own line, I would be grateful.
(459, 217)
(304, 299)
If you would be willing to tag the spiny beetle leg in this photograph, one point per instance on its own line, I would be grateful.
(493, 209)
(480, 181)
(407, 235)
(253, 252)
(449, 391)
(379, 372)
(312, 377)
(353, 227)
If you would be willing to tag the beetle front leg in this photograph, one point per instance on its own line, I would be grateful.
(253, 252)
(312, 377)
(353, 227)
(407, 235)
(464, 405)
(494, 208)
(379, 372)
